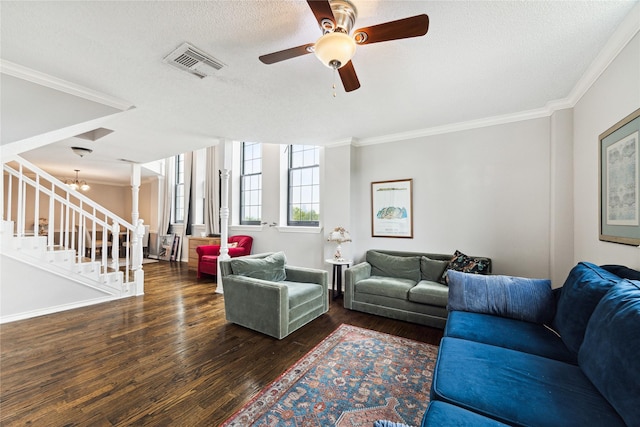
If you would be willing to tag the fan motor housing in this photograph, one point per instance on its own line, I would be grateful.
(345, 14)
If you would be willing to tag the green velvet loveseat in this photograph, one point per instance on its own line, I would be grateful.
(409, 286)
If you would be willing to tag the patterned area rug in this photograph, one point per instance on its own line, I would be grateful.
(354, 377)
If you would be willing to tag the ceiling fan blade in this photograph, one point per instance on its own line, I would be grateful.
(321, 10)
(349, 78)
(414, 26)
(274, 57)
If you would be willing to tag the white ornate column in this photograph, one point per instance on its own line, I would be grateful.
(135, 246)
(136, 254)
(224, 212)
(135, 190)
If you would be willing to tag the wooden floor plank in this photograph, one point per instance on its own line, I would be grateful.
(166, 358)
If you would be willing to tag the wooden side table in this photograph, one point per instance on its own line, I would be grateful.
(194, 242)
(337, 274)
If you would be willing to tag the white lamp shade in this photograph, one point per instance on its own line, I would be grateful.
(335, 48)
(339, 235)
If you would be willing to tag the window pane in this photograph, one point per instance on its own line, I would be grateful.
(307, 177)
(304, 185)
(251, 183)
(296, 178)
(305, 194)
(308, 158)
(255, 213)
(296, 160)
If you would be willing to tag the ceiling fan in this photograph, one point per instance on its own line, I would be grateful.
(336, 46)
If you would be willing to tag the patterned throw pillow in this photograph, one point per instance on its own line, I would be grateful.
(467, 264)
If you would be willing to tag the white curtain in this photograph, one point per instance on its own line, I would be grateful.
(188, 178)
(211, 197)
(167, 197)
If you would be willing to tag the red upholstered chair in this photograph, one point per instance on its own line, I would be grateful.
(208, 254)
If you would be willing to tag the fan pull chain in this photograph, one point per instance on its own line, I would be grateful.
(334, 83)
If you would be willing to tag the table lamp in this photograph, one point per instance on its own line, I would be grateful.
(340, 235)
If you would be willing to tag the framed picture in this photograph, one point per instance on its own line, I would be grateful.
(165, 247)
(392, 208)
(620, 181)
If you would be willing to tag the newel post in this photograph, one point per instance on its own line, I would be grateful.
(135, 190)
(224, 229)
(115, 246)
(224, 213)
(136, 255)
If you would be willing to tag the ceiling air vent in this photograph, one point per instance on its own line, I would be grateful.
(193, 60)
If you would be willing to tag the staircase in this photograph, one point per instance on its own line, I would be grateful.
(49, 226)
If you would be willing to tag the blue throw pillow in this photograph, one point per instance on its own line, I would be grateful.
(622, 271)
(268, 268)
(514, 297)
(610, 352)
(585, 286)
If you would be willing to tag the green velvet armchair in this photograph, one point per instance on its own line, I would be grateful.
(262, 293)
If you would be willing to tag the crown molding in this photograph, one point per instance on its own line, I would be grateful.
(24, 73)
(625, 32)
(456, 127)
(342, 143)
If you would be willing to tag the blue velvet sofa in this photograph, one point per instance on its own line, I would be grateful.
(516, 352)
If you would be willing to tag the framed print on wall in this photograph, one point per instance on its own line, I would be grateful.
(620, 181)
(392, 208)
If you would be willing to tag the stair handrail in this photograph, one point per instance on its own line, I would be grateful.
(69, 210)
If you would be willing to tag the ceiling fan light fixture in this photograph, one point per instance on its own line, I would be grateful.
(335, 49)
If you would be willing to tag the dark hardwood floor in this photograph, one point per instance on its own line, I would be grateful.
(166, 358)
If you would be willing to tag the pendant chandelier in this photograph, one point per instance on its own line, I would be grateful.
(77, 184)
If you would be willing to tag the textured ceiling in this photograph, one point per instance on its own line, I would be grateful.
(478, 60)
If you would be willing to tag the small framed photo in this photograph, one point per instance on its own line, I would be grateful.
(392, 208)
(166, 245)
(620, 181)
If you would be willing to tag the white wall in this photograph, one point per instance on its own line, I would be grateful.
(484, 192)
(23, 291)
(561, 196)
(336, 197)
(615, 94)
(116, 198)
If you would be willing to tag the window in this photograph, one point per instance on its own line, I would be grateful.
(178, 199)
(251, 183)
(304, 186)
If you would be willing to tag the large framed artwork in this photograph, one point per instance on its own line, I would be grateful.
(620, 181)
(392, 208)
